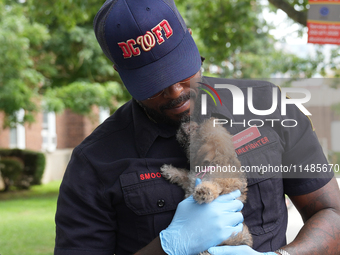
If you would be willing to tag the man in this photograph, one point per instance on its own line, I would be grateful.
(113, 199)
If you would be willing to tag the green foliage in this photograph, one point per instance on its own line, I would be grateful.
(66, 14)
(78, 96)
(77, 56)
(334, 158)
(47, 46)
(50, 53)
(10, 168)
(235, 38)
(222, 25)
(336, 107)
(334, 64)
(34, 166)
(19, 80)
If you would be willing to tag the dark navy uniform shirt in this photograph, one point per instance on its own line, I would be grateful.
(113, 199)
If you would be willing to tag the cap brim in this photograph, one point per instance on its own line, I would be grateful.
(179, 64)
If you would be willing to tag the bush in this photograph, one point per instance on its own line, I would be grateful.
(334, 158)
(11, 169)
(34, 166)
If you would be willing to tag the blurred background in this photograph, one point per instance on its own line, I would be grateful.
(56, 86)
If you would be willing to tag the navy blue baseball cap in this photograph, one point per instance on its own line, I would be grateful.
(148, 42)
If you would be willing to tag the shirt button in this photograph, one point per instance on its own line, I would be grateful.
(160, 203)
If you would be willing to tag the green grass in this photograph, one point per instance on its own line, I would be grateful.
(27, 220)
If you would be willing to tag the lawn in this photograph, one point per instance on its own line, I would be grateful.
(27, 220)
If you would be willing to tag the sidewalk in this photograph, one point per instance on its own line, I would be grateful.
(295, 222)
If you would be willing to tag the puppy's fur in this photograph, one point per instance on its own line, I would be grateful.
(209, 146)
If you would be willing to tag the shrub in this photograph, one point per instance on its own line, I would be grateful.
(334, 158)
(34, 166)
(11, 169)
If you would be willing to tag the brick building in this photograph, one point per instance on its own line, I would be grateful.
(58, 134)
(50, 131)
(54, 134)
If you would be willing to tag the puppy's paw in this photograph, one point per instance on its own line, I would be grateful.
(175, 175)
(167, 171)
(206, 192)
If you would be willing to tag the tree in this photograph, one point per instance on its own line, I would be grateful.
(50, 55)
(19, 80)
(295, 9)
(51, 59)
(236, 38)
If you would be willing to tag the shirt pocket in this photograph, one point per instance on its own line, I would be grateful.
(152, 199)
(263, 207)
(153, 196)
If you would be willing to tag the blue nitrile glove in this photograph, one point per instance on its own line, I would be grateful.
(236, 250)
(197, 227)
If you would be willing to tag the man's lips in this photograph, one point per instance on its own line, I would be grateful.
(177, 105)
(183, 106)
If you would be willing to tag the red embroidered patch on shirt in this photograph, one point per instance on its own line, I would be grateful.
(148, 176)
(252, 146)
(246, 136)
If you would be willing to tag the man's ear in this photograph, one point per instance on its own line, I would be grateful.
(190, 31)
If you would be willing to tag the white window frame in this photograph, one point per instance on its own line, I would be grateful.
(48, 132)
(104, 113)
(335, 136)
(19, 132)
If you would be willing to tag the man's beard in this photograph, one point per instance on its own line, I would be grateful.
(161, 117)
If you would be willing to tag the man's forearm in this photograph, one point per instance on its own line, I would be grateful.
(153, 248)
(319, 235)
(320, 211)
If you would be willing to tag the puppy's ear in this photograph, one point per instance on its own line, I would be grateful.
(183, 138)
(186, 131)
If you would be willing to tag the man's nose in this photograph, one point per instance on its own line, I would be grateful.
(174, 91)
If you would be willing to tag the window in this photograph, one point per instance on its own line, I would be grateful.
(48, 133)
(104, 113)
(335, 136)
(17, 134)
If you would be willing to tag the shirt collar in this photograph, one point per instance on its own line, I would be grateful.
(146, 131)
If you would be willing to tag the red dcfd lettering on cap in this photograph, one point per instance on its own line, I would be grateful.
(167, 28)
(127, 53)
(148, 176)
(129, 49)
(147, 41)
(135, 51)
(157, 30)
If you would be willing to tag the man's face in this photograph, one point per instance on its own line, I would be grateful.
(174, 104)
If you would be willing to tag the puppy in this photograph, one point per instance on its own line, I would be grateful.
(209, 150)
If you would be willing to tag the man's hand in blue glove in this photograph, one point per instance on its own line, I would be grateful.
(197, 227)
(236, 250)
